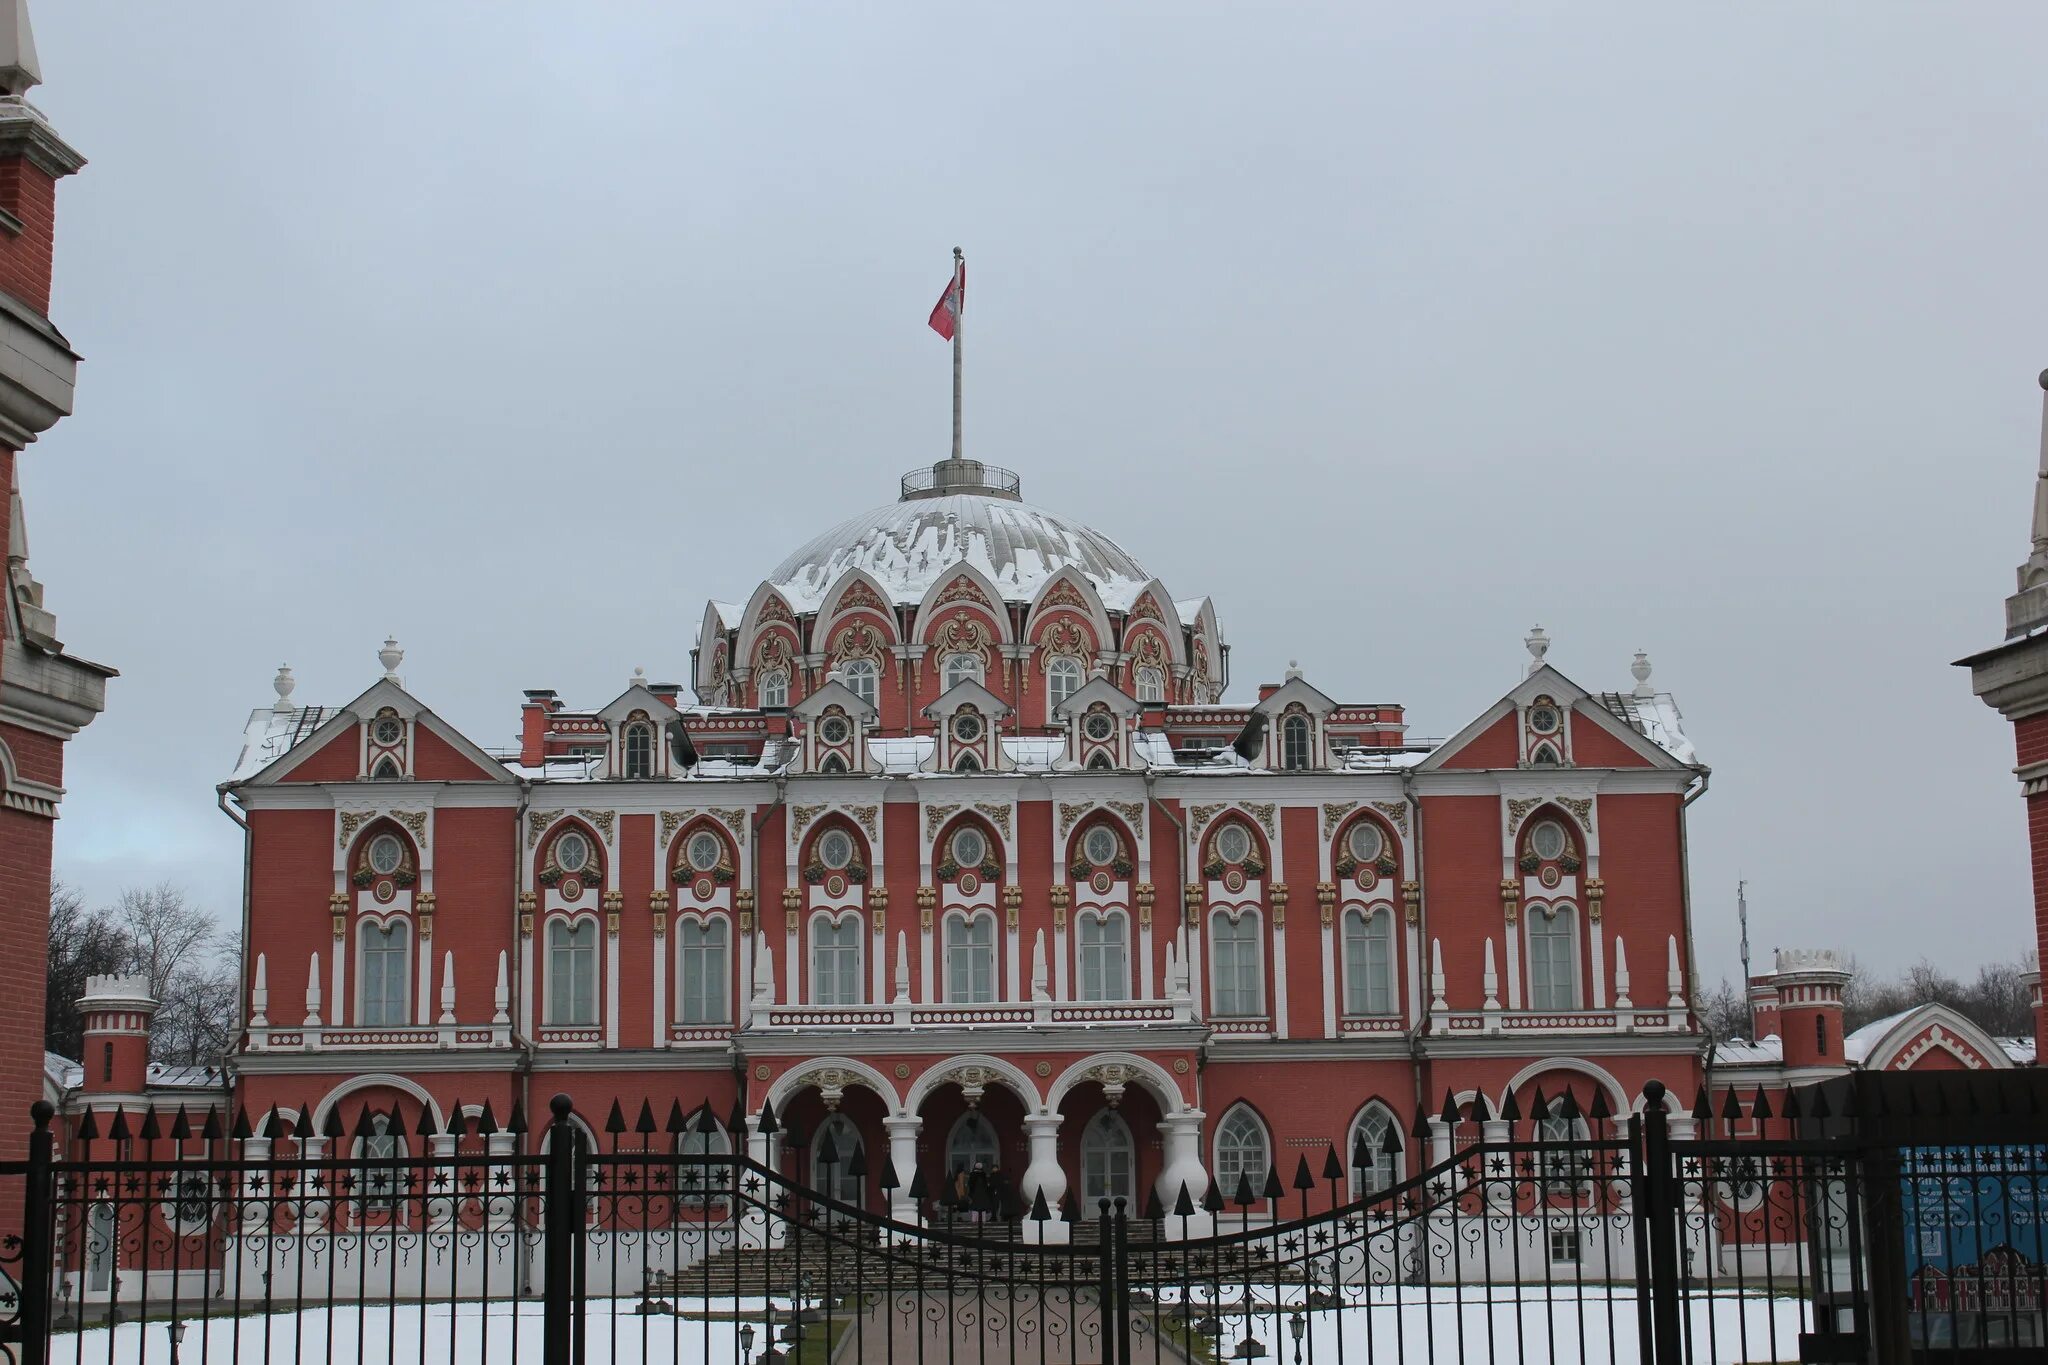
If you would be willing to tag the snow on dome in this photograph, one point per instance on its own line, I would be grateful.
(910, 545)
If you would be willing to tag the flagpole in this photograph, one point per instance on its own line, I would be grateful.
(959, 311)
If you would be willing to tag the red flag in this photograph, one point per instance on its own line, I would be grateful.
(946, 312)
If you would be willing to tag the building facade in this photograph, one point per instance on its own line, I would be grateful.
(960, 855)
(47, 695)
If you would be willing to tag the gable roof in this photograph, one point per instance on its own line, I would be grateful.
(1880, 1043)
(639, 697)
(382, 694)
(1547, 681)
(1098, 689)
(968, 692)
(1296, 689)
(835, 693)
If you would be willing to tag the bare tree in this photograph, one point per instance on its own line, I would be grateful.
(82, 944)
(167, 935)
(1724, 1012)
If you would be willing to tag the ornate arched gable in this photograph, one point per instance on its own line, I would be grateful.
(854, 595)
(768, 613)
(964, 589)
(1065, 596)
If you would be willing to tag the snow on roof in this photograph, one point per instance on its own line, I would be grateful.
(908, 546)
(1857, 1045)
(2021, 1050)
(901, 755)
(1768, 1050)
(1369, 760)
(1655, 718)
(271, 733)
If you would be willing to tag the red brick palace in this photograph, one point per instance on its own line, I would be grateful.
(961, 853)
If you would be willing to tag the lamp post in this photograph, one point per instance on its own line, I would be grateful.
(176, 1331)
(746, 1343)
(1297, 1327)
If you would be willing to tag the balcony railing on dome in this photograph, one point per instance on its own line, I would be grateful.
(948, 477)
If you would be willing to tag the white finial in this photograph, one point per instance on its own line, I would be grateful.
(501, 998)
(1673, 979)
(764, 978)
(285, 683)
(1621, 1000)
(1039, 990)
(1539, 645)
(1436, 976)
(259, 995)
(447, 989)
(19, 70)
(639, 678)
(902, 968)
(313, 993)
(391, 656)
(1489, 979)
(1293, 669)
(1641, 669)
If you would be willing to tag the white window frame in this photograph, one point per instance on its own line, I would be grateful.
(772, 686)
(578, 978)
(1256, 938)
(637, 743)
(1148, 685)
(1099, 1138)
(1388, 1168)
(1555, 997)
(959, 668)
(1369, 975)
(836, 962)
(958, 964)
(713, 946)
(1063, 678)
(1227, 1172)
(1297, 742)
(1104, 966)
(399, 1001)
(862, 679)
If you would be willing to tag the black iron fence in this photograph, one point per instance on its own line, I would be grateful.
(1566, 1233)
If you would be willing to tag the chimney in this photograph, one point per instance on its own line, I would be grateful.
(1809, 983)
(533, 725)
(117, 1011)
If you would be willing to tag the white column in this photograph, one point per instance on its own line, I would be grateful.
(611, 989)
(1330, 983)
(1416, 985)
(1279, 981)
(878, 964)
(1044, 1176)
(1499, 1183)
(1013, 988)
(903, 1130)
(1513, 936)
(1060, 990)
(756, 1228)
(337, 1001)
(1145, 961)
(526, 985)
(660, 1020)
(928, 981)
(423, 1013)
(743, 998)
(792, 968)
(1597, 942)
(1181, 1136)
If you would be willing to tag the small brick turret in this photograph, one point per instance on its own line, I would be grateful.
(1763, 1008)
(117, 1011)
(1809, 984)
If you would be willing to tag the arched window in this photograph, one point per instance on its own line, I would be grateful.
(970, 960)
(572, 972)
(1150, 685)
(962, 668)
(1100, 763)
(1105, 956)
(833, 764)
(378, 1185)
(1109, 1160)
(774, 688)
(839, 1139)
(1820, 1035)
(1238, 972)
(1062, 680)
(639, 750)
(1296, 752)
(1242, 1152)
(1368, 1138)
(703, 1180)
(967, 763)
(384, 974)
(1553, 980)
(701, 972)
(386, 771)
(835, 960)
(1566, 1164)
(862, 678)
(971, 1143)
(1368, 962)
(1544, 757)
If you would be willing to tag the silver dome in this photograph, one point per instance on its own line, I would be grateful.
(910, 545)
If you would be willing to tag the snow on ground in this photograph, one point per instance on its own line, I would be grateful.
(1410, 1326)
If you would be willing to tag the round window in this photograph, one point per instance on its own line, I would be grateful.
(388, 730)
(1099, 845)
(572, 851)
(1365, 841)
(832, 730)
(835, 848)
(386, 853)
(1233, 843)
(967, 727)
(1547, 840)
(705, 851)
(969, 848)
(1098, 726)
(1544, 720)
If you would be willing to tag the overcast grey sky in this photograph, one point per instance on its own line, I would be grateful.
(519, 331)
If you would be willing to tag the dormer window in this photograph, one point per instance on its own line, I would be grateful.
(1099, 726)
(962, 668)
(639, 759)
(833, 764)
(1151, 685)
(1296, 749)
(833, 730)
(967, 727)
(1100, 763)
(861, 678)
(967, 763)
(774, 688)
(1062, 680)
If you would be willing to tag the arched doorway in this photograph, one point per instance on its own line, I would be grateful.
(972, 1143)
(840, 1140)
(1109, 1161)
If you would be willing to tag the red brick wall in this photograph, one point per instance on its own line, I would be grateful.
(1639, 861)
(25, 257)
(1493, 747)
(2037, 845)
(336, 760)
(1461, 891)
(637, 943)
(1593, 747)
(435, 759)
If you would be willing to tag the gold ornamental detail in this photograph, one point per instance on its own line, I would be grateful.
(1334, 813)
(1397, 811)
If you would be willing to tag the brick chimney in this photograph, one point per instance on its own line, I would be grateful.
(117, 1012)
(1809, 983)
(541, 703)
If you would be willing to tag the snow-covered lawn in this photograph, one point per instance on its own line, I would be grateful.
(1413, 1327)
